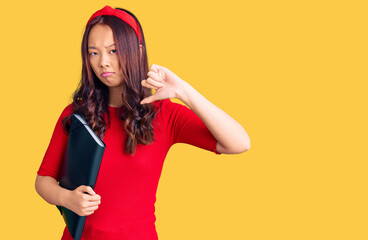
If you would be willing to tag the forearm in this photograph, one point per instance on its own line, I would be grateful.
(49, 189)
(228, 132)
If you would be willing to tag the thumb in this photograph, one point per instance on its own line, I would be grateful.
(148, 99)
(87, 189)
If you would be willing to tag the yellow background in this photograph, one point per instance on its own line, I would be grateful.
(292, 73)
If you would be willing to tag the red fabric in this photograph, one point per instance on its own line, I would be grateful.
(127, 184)
(126, 17)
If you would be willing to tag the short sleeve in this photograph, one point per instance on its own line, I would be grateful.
(184, 126)
(55, 152)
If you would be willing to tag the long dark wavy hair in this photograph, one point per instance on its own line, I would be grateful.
(91, 98)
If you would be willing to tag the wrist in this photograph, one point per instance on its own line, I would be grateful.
(63, 196)
(183, 92)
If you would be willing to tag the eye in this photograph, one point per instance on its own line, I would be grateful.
(113, 50)
(92, 53)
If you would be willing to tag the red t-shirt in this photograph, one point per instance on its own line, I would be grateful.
(127, 184)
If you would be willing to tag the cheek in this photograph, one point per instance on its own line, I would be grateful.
(93, 65)
(115, 61)
(119, 68)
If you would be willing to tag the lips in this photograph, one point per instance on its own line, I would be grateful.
(106, 74)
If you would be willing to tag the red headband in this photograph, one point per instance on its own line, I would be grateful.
(107, 10)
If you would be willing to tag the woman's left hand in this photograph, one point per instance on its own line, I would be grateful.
(166, 83)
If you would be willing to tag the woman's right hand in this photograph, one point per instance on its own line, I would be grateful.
(83, 200)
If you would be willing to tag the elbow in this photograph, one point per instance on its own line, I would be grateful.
(240, 149)
(245, 143)
(247, 149)
(37, 184)
(245, 146)
(234, 148)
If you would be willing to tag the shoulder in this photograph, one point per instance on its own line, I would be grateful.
(67, 111)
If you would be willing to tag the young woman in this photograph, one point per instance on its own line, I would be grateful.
(138, 128)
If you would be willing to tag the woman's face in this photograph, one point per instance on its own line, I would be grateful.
(103, 57)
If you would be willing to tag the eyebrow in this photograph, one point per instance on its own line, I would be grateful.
(105, 47)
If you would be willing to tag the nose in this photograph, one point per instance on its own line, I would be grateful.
(104, 60)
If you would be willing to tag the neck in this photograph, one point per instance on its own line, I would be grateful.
(115, 96)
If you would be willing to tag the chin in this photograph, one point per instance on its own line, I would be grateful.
(113, 85)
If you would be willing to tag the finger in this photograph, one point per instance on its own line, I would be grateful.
(148, 99)
(94, 198)
(162, 75)
(154, 83)
(92, 205)
(145, 84)
(154, 67)
(87, 189)
(88, 213)
(155, 75)
(151, 84)
(90, 209)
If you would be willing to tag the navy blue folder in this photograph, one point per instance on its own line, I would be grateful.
(80, 167)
